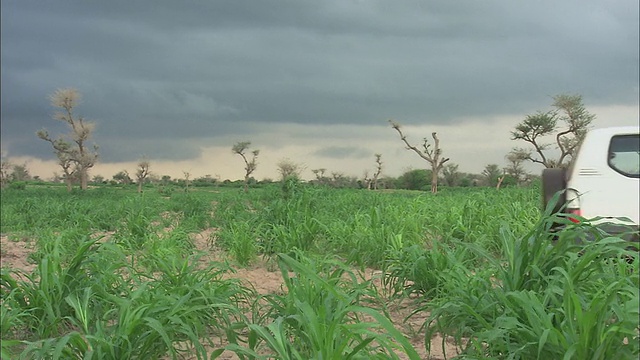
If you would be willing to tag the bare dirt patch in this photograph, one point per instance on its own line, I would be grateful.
(14, 254)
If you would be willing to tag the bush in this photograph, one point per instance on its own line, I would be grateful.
(18, 185)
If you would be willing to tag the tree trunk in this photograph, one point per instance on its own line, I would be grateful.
(434, 181)
(499, 182)
(83, 179)
(68, 181)
(139, 186)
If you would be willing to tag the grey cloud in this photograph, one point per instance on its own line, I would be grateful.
(218, 68)
(156, 149)
(341, 152)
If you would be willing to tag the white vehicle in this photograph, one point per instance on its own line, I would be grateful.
(603, 181)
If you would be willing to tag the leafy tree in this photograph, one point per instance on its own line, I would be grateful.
(387, 182)
(73, 152)
(417, 179)
(514, 168)
(509, 180)
(492, 175)
(240, 148)
(20, 172)
(166, 179)
(142, 172)
(432, 156)
(569, 121)
(98, 179)
(451, 175)
(122, 177)
(207, 180)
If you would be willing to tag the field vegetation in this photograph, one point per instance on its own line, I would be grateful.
(117, 275)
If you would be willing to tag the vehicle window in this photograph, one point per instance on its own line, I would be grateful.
(624, 155)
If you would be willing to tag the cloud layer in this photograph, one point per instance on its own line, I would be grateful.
(166, 79)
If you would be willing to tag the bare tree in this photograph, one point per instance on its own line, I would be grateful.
(288, 168)
(431, 155)
(376, 175)
(240, 148)
(367, 181)
(340, 180)
(69, 171)
(55, 178)
(5, 166)
(568, 110)
(187, 175)
(73, 153)
(142, 173)
(320, 177)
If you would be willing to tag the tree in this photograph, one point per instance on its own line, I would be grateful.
(69, 171)
(19, 172)
(142, 173)
(451, 175)
(55, 178)
(5, 165)
(289, 169)
(432, 156)
(250, 165)
(416, 179)
(376, 175)
(73, 150)
(514, 167)
(493, 176)
(366, 181)
(165, 179)
(321, 179)
(123, 177)
(98, 179)
(340, 180)
(187, 175)
(569, 121)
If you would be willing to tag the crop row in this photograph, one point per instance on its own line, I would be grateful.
(118, 275)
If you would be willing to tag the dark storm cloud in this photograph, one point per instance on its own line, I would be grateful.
(341, 152)
(185, 72)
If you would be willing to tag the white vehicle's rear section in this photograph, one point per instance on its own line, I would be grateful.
(601, 185)
(604, 178)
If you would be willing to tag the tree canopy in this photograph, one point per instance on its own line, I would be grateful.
(555, 132)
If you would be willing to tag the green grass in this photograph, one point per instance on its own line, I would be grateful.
(119, 277)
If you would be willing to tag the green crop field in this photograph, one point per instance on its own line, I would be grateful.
(114, 274)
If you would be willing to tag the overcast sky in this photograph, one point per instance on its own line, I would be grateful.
(314, 81)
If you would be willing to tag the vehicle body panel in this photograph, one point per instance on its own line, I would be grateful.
(597, 187)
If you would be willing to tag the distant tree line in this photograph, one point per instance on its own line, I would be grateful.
(552, 138)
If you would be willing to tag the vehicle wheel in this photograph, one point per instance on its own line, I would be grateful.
(554, 180)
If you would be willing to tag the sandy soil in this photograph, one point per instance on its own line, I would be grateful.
(14, 253)
(265, 279)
